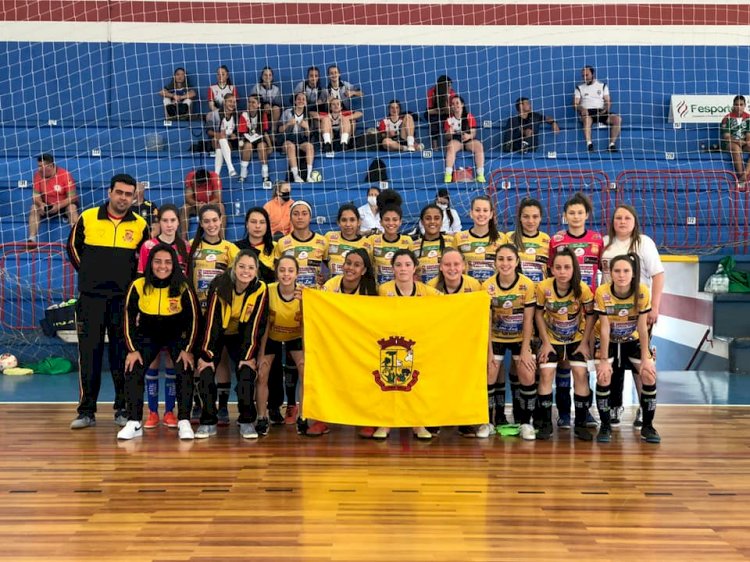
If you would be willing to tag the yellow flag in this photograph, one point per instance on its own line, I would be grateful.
(396, 361)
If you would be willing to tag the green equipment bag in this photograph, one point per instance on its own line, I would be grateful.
(739, 281)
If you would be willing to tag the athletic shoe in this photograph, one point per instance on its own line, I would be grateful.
(411, 148)
(328, 150)
(195, 415)
(290, 416)
(152, 420)
(205, 431)
(434, 430)
(261, 426)
(301, 426)
(448, 178)
(612, 147)
(223, 415)
(170, 420)
(591, 420)
(131, 430)
(604, 435)
(563, 421)
(481, 179)
(366, 432)
(638, 421)
(590, 147)
(317, 429)
(545, 432)
(83, 421)
(500, 418)
(467, 431)
(483, 431)
(274, 415)
(185, 430)
(241, 179)
(381, 433)
(528, 433)
(421, 433)
(649, 434)
(583, 434)
(232, 173)
(247, 431)
(121, 418)
(615, 416)
(298, 179)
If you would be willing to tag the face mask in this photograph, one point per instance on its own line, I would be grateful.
(286, 195)
(372, 200)
(442, 206)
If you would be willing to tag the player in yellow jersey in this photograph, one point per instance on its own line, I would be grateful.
(564, 304)
(480, 242)
(342, 241)
(309, 248)
(623, 306)
(430, 248)
(258, 237)
(358, 277)
(387, 243)
(513, 302)
(451, 278)
(532, 244)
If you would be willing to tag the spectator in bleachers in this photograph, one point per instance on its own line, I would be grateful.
(593, 104)
(735, 136)
(218, 92)
(223, 129)
(54, 194)
(397, 130)
(312, 90)
(201, 188)
(255, 129)
(294, 137)
(339, 88)
(369, 213)
(438, 108)
(279, 209)
(146, 209)
(178, 96)
(461, 134)
(270, 96)
(337, 127)
(521, 130)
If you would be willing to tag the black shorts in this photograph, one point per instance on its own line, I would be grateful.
(599, 116)
(297, 139)
(273, 347)
(499, 349)
(619, 353)
(564, 352)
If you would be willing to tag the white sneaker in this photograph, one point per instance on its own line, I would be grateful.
(132, 429)
(247, 431)
(527, 432)
(298, 179)
(184, 430)
(381, 433)
(410, 148)
(232, 173)
(483, 431)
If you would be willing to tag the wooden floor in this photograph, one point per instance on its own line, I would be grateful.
(82, 496)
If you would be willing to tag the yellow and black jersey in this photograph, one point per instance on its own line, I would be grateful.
(564, 315)
(209, 261)
(508, 305)
(478, 252)
(154, 315)
(535, 255)
(285, 316)
(338, 247)
(382, 254)
(104, 250)
(429, 253)
(245, 314)
(333, 285)
(389, 289)
(310, 255)
(267, 272)
(621, 312)
(468, 285)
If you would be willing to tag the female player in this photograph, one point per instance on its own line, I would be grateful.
(461, 134)
(430, 248)
(225, 134)
(210, 256)
(397, 129)
(340, 89)
(313, 91)
(220, 90)
(624, 237)
(357, 275)
(258, 237)
(343, 241)
(235, 322)
(169, 233)
(479, 244)
(513, 307)
(451, 278)
(563, 304)
(438, 107)
(532, 244)
(270, 96)
(255, 129)
(623, 306)
(385, 245)
(404, 264)
(309, 248)
(294, 133)
(161, 311)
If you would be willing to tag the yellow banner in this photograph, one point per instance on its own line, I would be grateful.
(396, 361)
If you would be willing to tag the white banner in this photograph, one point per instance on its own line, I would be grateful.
(699, 109)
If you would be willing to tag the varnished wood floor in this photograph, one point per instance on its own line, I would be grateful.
(82, 496)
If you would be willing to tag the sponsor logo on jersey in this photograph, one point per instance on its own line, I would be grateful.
(174, 305)
(396, 369)
(128, 236)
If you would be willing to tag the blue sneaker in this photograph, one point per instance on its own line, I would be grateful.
(591, 420)
(563, 421)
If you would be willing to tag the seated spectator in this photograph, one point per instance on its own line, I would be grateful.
(370, 214)
(337, 127)
(461, 134)
(438, 108)
(218, 92)
(294, 137)
(735, 136)
(54, 194)
(145, 208)
(279, 209)
(270, 96)
(339, 88)
(255, 130)
(312, 90)
(521, 130)
(593, 104)
(397, 130)
(178, 96)
(223, 129)
(201, 188)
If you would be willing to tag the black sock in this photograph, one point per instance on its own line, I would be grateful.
(223, 389)
(500, 402)
(515, 396)
(602, 403)
(526, 403)
(648, 403)
(562, 391)
(582, 405)
(491, 401)
(544, 405)
(291, 377)
(616, 385)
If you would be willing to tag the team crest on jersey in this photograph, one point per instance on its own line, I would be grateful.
(531, 251)
(606, 297)
(557, 237)
(303, 255)
(396, 370)
(128, 236)
(174, 305)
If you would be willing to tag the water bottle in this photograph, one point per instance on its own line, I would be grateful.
(237, 208)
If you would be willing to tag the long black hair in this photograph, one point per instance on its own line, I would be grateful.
(224, 283)
(635, 282)
(229, 74)
(267, 237)
(198, 238)
(177, 278)
(440, 234)
(179, 241)
(575, 281)
(367, 284)
(518, 234)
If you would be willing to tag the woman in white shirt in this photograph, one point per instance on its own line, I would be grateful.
(369, 213)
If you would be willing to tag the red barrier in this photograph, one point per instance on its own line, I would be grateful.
(32, 280)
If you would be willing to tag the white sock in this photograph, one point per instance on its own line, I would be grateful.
(218, 161)
(344, 138)
(295, 171)
(449, 169)
(226, 152)
(264, 170)
(327, 138)
(243, 168)
(480, 170)
(410, 141)
(309, 171)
